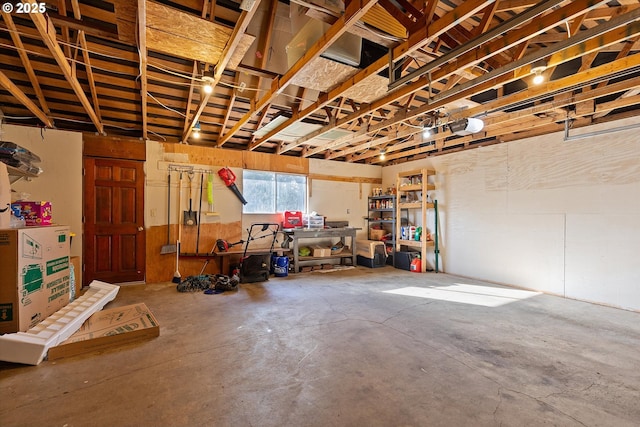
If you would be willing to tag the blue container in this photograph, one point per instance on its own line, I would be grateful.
(281, 266)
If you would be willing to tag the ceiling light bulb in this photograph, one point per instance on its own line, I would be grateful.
(207, 85)
(382, 155)
(537, 68)
(538, 78)
(196, 133)
(426, 132)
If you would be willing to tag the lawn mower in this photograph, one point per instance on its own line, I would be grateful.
(253, 267)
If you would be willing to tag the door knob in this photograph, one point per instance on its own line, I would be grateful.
(140, 228)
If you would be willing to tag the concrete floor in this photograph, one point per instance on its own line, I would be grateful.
(335, 349)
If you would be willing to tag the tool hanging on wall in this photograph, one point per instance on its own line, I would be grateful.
(229, 179)
(169, 248)
(177, 277)
(210, 191)
(190, 216)
(199, 215)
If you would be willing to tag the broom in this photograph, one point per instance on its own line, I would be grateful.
(168, 248)
(177, 277)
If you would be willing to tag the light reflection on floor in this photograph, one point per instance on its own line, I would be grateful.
(467, 294)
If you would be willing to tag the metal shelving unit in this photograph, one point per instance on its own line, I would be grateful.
(382, 212)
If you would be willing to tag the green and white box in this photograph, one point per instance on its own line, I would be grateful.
(34, 283)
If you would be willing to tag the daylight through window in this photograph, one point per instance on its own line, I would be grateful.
(270, 192)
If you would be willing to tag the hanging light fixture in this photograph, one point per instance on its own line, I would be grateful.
(430, 124)
(196, 130)
(382, 154)
(538, 68)
(208, 80)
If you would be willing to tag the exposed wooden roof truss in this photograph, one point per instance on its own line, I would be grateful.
(137, 69)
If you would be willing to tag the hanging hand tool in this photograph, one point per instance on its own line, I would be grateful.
(177, 277)
(229, 179)
(190, 216)
(169, 248)
(210, 191)
(199, 215)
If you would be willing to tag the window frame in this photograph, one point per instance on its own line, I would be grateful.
(275, 195)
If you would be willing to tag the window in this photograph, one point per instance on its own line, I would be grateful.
(270, 192)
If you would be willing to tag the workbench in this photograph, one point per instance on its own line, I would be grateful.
(297, 234)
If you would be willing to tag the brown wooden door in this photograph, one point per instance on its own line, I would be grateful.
(114, 238)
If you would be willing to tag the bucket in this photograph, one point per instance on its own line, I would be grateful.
(416, 265)
(281, 266)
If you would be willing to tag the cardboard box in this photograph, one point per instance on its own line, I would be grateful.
(107, 329)
(34, 283)
(35, 213)
(318, 251)
(376, 234)
(77, 271)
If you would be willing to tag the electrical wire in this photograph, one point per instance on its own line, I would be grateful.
(19, 118)
(64, 43)
(150, 95)
(34, 53)
(158, 135)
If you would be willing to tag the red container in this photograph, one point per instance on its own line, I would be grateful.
(292, 219)
(416, 265)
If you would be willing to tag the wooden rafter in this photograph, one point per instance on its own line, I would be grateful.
(24, 99)
(223, 126)
(623, 52)
(103, 56)
(414, 42)
(487, 16)
(208, 7)
(497, 123)
(142, 49)
(26, 63)
(397, 14)
(90, 76)
(187, 116)
(264, 40)
(62, 8)
(510, 39)
(238, 31)
(353, 13)
(552, 87)
(48, 34)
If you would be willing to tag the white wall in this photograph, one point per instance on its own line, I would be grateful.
(61, 179)
(544, 214)
(342, 201)
(226, 205)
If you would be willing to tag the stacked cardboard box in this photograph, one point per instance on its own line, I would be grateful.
(34, 283)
